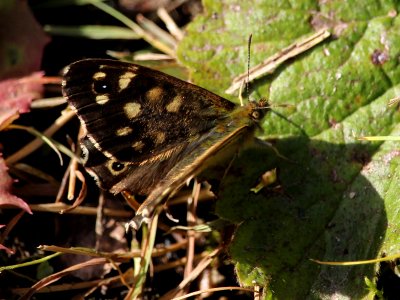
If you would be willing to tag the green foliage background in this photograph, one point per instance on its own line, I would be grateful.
(338, 197)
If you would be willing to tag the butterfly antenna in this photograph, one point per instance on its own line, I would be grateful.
(248, 67)
(289, 121)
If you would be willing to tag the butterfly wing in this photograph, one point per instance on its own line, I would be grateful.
(138, 122)
(214, 147)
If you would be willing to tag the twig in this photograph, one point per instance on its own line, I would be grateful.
(269, 65)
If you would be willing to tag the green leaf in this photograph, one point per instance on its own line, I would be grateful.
(336, 198)
(44, 269)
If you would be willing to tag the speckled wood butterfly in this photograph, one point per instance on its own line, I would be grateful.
(147, 132)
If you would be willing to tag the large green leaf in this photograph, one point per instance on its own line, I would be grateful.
(338, 197)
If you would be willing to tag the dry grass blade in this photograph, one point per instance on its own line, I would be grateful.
(48, 102)
(80, 210)
(157, 32)
(169, 22)
(82, 193)
(41, 136)
(147, 36)
(204, 263)
(73, 174)
(115, 281)
(35, 144)
(56, 276)
(191, 220)
(115, 256)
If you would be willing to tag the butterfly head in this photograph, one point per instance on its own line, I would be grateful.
(258, 110)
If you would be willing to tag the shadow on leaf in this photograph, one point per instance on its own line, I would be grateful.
(322, 207)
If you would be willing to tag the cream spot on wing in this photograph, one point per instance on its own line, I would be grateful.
(124, 131)
(138, 145)
(132, 109)
(175, 104)
(154, 94)
(125, 80)
(99, 75)
(102, 99)
(159, 137)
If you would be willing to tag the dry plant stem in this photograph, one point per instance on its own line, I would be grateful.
(204, 263)
(73, 166)
(99, 220)
(130, 200)
(48, 102)
(270, 64)
(36, 143)
(121, 275)
(63, 184)
(115, 256)
(74, 173)
(169, 22)
(80, 210)
(150, 56)
(157, 32)
(77, 286)
(115, 280)
(191, 221)
(147, 36)
(89, 292)
(257, 292)
(67, 174)
(56, 276)
(82, 193)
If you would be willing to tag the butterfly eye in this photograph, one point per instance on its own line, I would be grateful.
(117, 166)
(255, 114)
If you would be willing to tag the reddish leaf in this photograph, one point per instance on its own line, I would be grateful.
(8, 250)
(16, 96)
(6, 198)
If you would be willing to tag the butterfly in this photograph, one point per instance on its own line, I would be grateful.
(147, 133)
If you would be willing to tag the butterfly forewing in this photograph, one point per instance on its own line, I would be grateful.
(138, 121)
